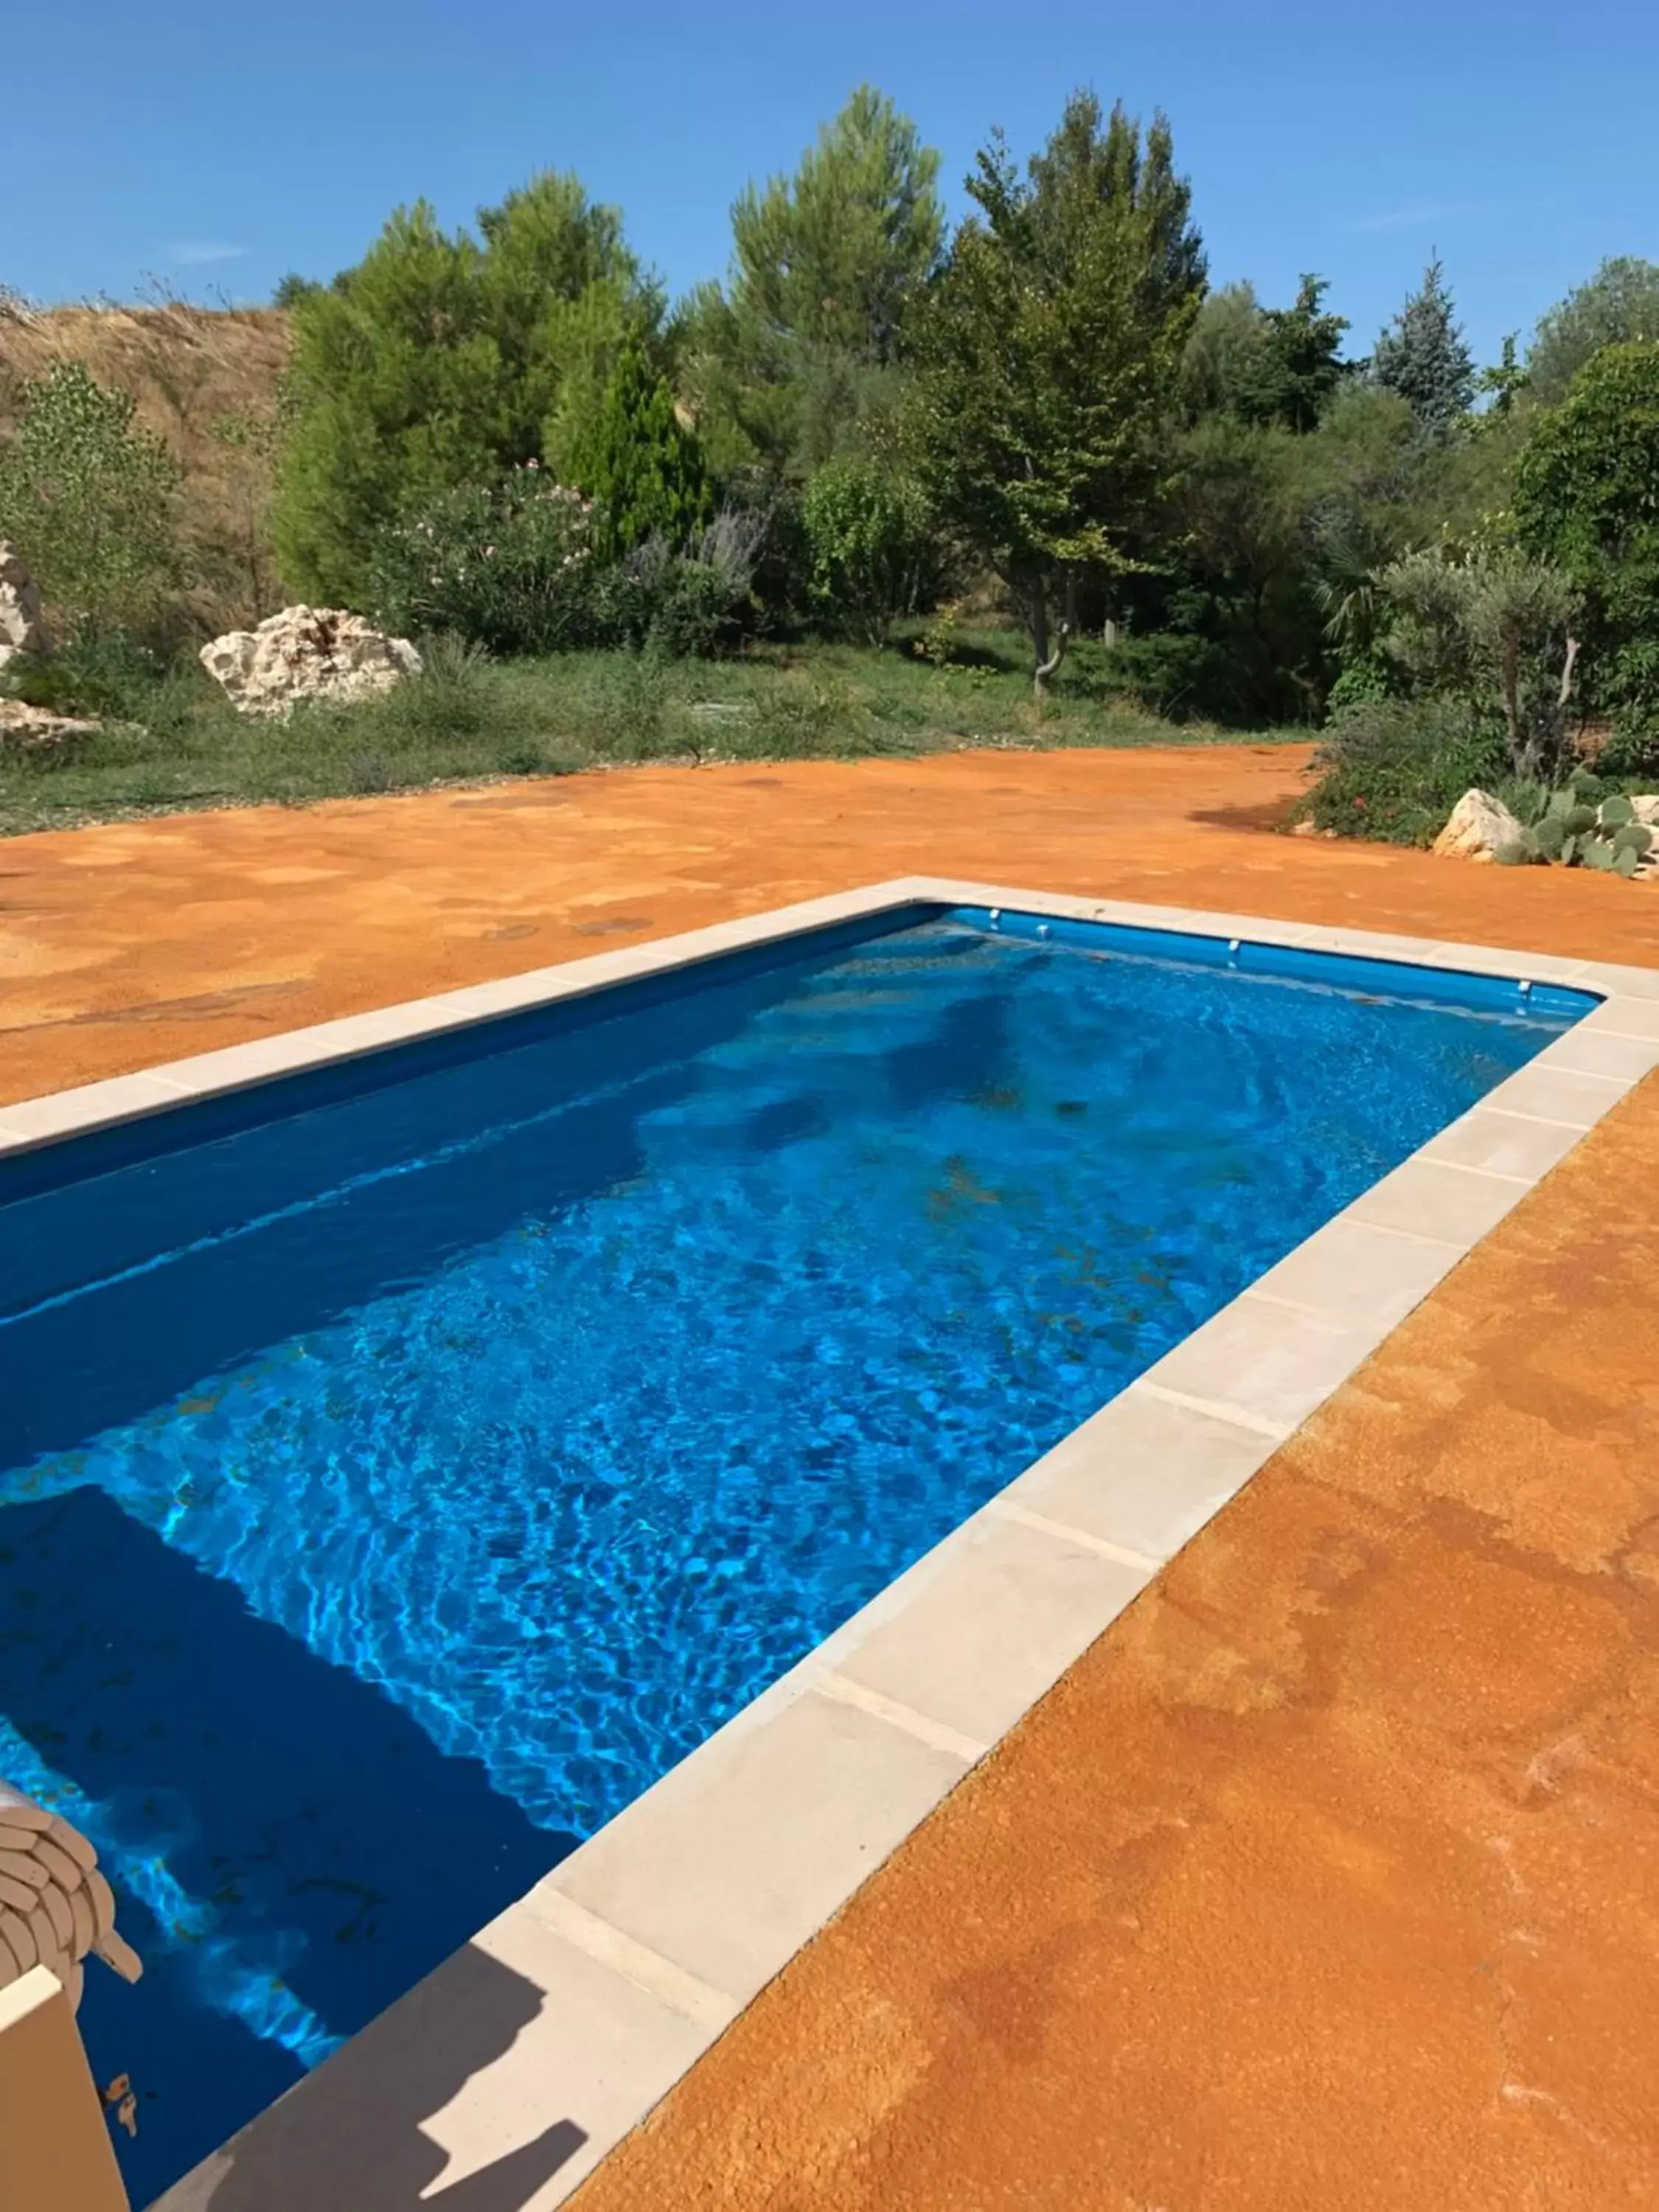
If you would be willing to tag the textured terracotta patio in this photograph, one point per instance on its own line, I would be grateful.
(1329, 1878)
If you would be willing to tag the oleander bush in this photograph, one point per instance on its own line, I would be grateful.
(1394, 768)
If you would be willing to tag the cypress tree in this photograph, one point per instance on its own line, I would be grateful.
(642, 469)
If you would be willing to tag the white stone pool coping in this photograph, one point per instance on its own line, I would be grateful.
(535, 2048)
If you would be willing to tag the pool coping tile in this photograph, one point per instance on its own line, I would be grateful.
(1360, 1272)
(997, 1622)
(1265, 1358)
(63, 1114)
(1624, 1014)
(1145, 1473)
(679, 1910)
(734, 1859)
(1551, 1091)
(1439, 1197)
(1494, 1141)
(1586, 1050)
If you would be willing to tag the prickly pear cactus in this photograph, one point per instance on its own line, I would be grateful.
(1580, 828)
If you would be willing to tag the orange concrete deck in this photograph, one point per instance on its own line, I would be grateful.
(1329, 1877)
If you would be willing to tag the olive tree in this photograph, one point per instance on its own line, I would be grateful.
(1491, 623)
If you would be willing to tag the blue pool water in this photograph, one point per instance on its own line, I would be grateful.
(401, 1475)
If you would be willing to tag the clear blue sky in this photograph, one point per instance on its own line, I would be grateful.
(217, 146)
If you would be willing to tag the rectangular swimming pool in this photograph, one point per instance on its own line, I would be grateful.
(404, 1464)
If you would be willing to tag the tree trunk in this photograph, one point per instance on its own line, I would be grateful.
(1540, 757)
(1036, 618)
(1046, 662)
(1046, 667)
(1566, 674)
(1511, 666)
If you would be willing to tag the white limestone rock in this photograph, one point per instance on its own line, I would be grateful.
(29, 729)
(306, 654)
(1479, 828)
(20, 629)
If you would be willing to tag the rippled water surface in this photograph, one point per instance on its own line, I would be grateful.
(397, 1488)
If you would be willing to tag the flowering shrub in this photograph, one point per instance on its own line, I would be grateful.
(508, 566)
(1394, 768)
(511, 567)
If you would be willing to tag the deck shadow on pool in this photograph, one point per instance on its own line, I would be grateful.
(326, 1853)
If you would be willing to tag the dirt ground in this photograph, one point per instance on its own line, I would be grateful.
(1329, 1877)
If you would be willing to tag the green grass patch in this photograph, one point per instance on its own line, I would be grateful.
(472, 720)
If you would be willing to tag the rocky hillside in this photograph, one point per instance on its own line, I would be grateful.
(206, 380)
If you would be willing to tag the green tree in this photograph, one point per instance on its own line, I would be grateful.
(562, 296)
(1502, 385)
(1370, 503)
(1268, 548)
(1619, 306)
(1422, 356)
(91, 499)
(1222, 354)
(1236, 557)
(1586, 498)
(642, 469)
(870, 536)
(1379, 490)
(1492, 622)
(798, 358)
(1048, 356)
(1303, 362)
(1271, 366)
(440, 360)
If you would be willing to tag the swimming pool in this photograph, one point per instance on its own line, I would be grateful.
(409, 1463)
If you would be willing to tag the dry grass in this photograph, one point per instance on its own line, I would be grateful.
(205, 379)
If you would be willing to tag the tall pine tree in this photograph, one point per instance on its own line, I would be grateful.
(796, 359)
(442, 359)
